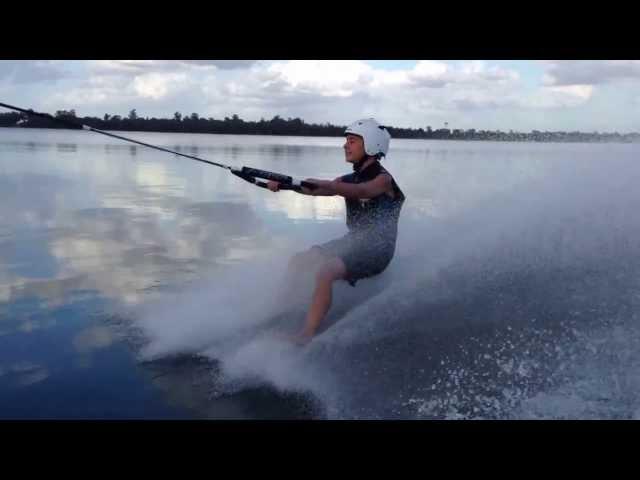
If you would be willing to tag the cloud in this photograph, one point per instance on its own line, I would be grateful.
(158, 85)
(153, 87)
(93, 338)
(550, 97)
(474, 102)
(223, 64)
(339, 78)
(438, 74)
(313, 90)
(27, 71)
(430, 74)
(135, 67)
(433, 92)
(441, 90)
(581, 92)
(122, 92)
(339, 91)
(589, 72)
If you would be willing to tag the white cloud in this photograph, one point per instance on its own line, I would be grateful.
(339, 91)
(119, 67)
(438, 74)
(590, 72)
(29, 71)
(565, 96)
(102, 93)
(581, 92)
(158, 85)
(434, 92)
(430, 74)
(133, 67)
(325, 78)
(384, 79)
(440, 91)
(83, 96)
(98, 96)
(314, 91)
(223, 64)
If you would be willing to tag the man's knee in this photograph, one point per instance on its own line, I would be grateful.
(334, 269)
(307, 259)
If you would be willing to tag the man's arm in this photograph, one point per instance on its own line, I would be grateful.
(372, 188)
(320, 191)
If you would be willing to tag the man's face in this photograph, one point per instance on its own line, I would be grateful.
(353, 148)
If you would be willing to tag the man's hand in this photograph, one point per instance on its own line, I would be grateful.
(273, 186)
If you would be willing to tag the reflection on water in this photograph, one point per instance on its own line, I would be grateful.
(24, 374)
(66, 147)
(93, 338)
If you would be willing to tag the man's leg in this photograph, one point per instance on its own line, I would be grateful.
(297, 279)
(333, 269)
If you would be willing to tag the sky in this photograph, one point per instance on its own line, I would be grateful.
(526, 95)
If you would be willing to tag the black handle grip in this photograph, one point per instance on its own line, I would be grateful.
(245, 175)
(276, 177)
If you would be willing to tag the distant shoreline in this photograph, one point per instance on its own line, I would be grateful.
(635, 138)
(298, 128)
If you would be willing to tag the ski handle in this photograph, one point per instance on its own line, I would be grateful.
(286, 182)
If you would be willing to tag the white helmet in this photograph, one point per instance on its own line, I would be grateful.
(376, 137)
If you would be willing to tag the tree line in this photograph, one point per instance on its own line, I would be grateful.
(294, 127)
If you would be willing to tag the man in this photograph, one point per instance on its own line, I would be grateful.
(373, 201)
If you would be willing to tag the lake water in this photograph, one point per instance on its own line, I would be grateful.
(134, 283)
